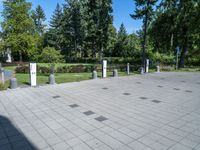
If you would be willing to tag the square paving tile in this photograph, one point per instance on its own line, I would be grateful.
(143, 98)
(56, 96)
(88, 113)
(73, 105)
(101, 118)
(126, 94)
(188, 91)
(156, 101)
(160, 86)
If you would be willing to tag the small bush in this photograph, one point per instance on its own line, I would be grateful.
(22, 69)
(50, 55)
(2, 87)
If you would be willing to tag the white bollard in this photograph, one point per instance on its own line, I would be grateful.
(2, 76)
(104, 69)
(158, 69)
(147, 66)
(33, 74)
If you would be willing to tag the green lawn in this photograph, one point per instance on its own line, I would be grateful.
(61, 77)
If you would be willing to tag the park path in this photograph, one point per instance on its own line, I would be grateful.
(158, 111)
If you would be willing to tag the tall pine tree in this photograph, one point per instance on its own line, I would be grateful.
(39, 18)
(144, 10)
(54, 35)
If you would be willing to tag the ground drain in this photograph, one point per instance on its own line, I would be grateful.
(138, 82)
(105, 88)
(101, 118)
(73, 105)
(88, 113)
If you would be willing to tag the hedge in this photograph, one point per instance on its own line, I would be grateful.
(75, 68)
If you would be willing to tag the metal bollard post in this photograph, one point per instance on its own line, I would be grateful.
(52, 79)
(94, 75)
(128, 68)
(115, 73)
(13, 83)
(141, 70)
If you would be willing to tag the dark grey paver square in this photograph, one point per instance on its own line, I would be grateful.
(101, 118)
(56, 96)
(126, 94)
(162, 78)
(88, 113)
(105, 88)
(143, 98)
(183, 81)
(73, 105)
(160, 86)
(188, 91)
(176, 89)
(198, 83)
(138, 82)
(156, 101)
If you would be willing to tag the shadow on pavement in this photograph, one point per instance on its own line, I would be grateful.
(11, 138)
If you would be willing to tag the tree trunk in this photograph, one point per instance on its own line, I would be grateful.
(20, 57)
(182, 57)
(145, 37)
(184, 52)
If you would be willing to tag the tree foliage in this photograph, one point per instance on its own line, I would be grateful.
(50, 55)
(18, 28)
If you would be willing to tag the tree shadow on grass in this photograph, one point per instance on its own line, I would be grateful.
(11, 138)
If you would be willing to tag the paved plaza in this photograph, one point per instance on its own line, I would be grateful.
(159, 111)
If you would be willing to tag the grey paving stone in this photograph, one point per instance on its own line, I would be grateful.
(156, 101)
(57, 96)
(73, 105)
(101, 118)
(143, 98)
(127, 94)
(88, 113)
(132, 123)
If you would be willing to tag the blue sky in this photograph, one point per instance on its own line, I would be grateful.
(121, 11)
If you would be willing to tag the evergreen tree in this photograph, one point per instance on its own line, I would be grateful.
(144, 10)
(18, 28)
(120, 49)
(176, 26)
(54, 36)
(90, 22)
(104, 20)
(96, 20)
(72, 29)
(39, 18)
(112, 39)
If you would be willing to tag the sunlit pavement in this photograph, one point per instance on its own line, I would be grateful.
(157, 111)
